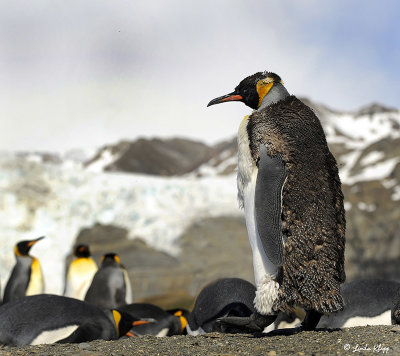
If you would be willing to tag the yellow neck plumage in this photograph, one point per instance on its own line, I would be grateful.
(182, 319)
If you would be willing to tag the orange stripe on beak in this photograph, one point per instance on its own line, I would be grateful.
(232, 98)
(139, 322)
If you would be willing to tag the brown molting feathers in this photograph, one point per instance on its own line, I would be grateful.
(312, 209)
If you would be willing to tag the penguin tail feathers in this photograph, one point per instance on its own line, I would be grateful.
(266, 294)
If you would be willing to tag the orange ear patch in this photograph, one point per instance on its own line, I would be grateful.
(263, 87)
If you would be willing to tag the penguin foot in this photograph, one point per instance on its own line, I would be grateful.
(280, 332)
(309, 323)
(235, 324)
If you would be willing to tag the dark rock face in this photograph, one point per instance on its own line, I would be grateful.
(373, 225)
(162, 157)
(159, 157)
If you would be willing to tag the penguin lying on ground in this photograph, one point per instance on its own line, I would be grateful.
(289, 186)
(226, 297)
(367, 302)
(45, 319)
(109, 286)
(26, 277)
(165, 323)
(80, 273)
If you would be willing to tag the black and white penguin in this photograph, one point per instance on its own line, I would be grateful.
(289, 186)
(80, 273)
(225, 297)
(366, 302)
(164, 323)
(46, 319)
(109, 288)
(26, 277)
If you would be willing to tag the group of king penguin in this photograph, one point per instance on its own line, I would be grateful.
(97, 303)
(289, 187)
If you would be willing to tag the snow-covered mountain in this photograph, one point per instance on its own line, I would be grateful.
(158, 188)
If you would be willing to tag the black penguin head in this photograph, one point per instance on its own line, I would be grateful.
(22, 248)
(251, 90)
(82, 251)
(125, 322)
(183, 315)
(110, 259)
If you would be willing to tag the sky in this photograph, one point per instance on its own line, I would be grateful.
(82, 74)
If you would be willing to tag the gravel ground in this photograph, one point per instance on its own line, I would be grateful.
(369, 340)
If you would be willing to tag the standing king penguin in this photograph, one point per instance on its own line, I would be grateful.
(289, 187)
(26, 277)
(109, 288)
(80, 273)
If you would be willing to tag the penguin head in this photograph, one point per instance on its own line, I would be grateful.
(182, 314)
(82, 251)
(22, 248)
(251, 90)
(124, 322)
(110, 259)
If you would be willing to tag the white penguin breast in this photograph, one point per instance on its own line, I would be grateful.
(52, 336)
(382, 319)
(163, 332)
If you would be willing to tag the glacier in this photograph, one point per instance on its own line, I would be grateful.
(58, 200)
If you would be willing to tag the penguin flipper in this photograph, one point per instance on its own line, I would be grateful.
(268, 204)
(86, 332)
(236, 324)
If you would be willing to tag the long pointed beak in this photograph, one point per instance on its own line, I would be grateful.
(224, 98)
(34, 241)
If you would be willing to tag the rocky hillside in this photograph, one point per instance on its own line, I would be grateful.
(158, 157)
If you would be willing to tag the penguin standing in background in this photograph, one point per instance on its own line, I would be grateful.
(225, 297)
(165, 323)
(80, 273)
(26, 277)
(46, 319)
(109, 287)
(289, 187)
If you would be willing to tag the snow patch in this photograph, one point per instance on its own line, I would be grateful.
(372, 158)
(106, 158)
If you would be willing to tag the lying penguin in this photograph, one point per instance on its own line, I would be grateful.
(164, 323)
(226, 297)
(110, 287)
(26, 277)
(367, 302)
(46, 319)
